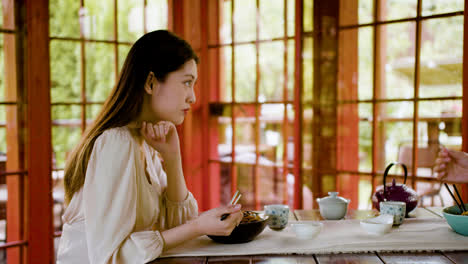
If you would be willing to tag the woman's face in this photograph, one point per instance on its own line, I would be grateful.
(171, 99)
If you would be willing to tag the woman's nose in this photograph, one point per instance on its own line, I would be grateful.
(191, 99)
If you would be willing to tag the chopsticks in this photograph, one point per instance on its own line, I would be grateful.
(460, 205)
(235, 198)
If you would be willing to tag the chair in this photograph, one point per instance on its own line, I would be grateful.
(426, 159)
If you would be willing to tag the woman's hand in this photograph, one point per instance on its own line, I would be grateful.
(163, 137)
(452, 166)
(209, 222)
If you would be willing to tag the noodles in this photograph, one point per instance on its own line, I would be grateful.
(465, 213)
(250, 216)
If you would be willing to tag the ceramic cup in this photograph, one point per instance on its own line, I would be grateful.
(397, 209)
(278, 215)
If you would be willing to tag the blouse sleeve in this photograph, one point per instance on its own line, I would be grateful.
(174, 213)
(110, 199)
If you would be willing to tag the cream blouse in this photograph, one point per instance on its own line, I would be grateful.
(117, 216)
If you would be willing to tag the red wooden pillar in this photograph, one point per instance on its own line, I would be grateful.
(465, 93)
(39, 222)
(191, 21)
(347, 154)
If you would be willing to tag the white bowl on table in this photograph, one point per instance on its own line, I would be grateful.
(307, 229)
(378, 225)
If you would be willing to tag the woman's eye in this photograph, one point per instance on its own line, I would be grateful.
(188, 83)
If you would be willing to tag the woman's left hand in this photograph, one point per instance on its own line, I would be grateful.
(163, 137)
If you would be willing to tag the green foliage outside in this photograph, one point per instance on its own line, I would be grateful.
(97, 22)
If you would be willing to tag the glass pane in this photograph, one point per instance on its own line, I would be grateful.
(347, 65)
(392, 136)
(441, 65)
(271, 19)
(224, 170)
(245, 185)
(271, 71)
(365, 192)
(65, 118)
(271, 133)
(350, 16)
(99, 19)
(395, 128)
(130, 20)
(224, 113)
(3, 139)
(2, 69)
(64, 18)
(245, 133)
(307, 136)
(100, 76)
(246, 73)
(156, 14)
(432, 7)
(396, 9)
(398, 56)
(65, 71)
(92, 111)
(291, 5)
(366, 63)
(440, 123)
(225, 88)
(123, 52)
(431, 194)
(225, 30)
(271, 185)
(347, 134)
(366, 11)
(308, 70)
(365, 137)
(308, 11)
(245, 20)
(58, 195)
(307, 195)
(64, 139)
(1, 14)
(291, 60)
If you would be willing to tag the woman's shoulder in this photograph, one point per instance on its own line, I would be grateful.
(116, 135)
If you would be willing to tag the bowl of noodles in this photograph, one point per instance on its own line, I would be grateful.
(251, 226)
(457, 220)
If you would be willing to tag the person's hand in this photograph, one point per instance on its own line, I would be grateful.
(452, 166)
(163, 137)
(209, 222)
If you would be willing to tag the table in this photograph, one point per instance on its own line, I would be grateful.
(458, 257)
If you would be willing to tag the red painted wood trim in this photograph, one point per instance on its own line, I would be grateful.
(15, 116)
(40, 227)
(285, 112)
(298, 203)
(233, 102)
(416, 96)
(256, 180)
(465, 93)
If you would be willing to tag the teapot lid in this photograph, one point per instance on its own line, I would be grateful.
(333, 198)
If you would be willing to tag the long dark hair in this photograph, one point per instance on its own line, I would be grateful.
(160, 52)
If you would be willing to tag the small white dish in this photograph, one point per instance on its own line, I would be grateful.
(378, 225)
(307, 229)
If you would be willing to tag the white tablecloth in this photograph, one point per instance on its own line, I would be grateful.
(343, 236)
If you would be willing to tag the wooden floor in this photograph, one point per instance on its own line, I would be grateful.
(460, 257)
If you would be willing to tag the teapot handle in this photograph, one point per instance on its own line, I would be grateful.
(386, 172)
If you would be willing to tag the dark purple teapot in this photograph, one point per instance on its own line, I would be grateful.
(396, 192)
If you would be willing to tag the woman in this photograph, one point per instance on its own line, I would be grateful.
(128, 201)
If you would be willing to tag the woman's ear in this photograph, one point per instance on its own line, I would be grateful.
(150, 83)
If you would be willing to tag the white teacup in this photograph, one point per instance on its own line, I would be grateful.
(397, 209)
(278, 215)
